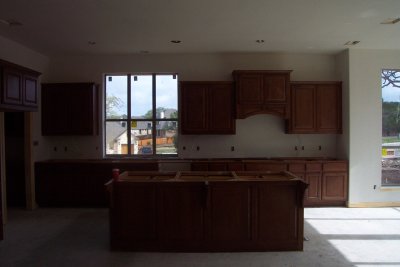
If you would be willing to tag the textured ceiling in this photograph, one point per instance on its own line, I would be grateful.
(206, 26)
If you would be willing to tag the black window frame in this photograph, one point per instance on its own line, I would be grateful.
(129, 118)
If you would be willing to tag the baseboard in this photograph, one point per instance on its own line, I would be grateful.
(373, 204)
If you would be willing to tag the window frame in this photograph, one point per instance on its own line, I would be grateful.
(153, 120)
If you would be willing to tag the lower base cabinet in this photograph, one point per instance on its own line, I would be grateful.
(206, 216)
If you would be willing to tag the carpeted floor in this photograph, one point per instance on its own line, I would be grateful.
(79, 237)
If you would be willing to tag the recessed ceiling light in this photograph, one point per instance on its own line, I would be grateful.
(91, 42)
(260, 41)
(351, 42)
(176, 41)
(390, 21)
(11, 22)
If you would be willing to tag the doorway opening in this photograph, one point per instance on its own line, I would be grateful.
(14, 139)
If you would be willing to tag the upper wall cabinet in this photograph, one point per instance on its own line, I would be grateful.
(70, 109)
(19, 88)
(262, 92)
(316, 107)
(207, 108)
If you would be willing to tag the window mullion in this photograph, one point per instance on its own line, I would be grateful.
(153, 121)
(128, 126)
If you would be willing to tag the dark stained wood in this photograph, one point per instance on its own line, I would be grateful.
(12, 87)
(18, 88)
(279, 226)
(303, 108)
(313, 192)
(229, 224)
(69, 109)
(316, 107)
(328, 110)
(207, 107)
(79, 183)
(334, 186)
(266, 166)
(262, 92)
(181, 208)
(133, 215)
(230, 215)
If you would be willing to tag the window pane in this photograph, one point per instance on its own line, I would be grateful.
(141, 96)
(166, 96)
(116, 138)
(116, 97)
(167, 137)
(142, 138)
(390, 127)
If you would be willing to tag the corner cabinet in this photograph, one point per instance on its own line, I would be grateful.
(70, 109)
(316, 107)
(262, 92)
(207, 107)
(19, 88)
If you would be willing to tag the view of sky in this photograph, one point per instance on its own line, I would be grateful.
(391, 94)
(141, 92)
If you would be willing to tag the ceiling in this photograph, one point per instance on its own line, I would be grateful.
(56, 27)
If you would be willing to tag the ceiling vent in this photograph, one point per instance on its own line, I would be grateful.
(390, 21)
(11, 22)
(351, 42)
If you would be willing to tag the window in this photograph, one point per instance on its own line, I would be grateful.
(141, 114)
(390, 127)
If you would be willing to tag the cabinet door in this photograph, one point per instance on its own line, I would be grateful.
(276, 216)
(228, 215)
(69, 109)
(181, 215)
(275, 88)
(82, 110)
(133, 216)
(12, 87)
(328, 110)
(313, 192)
(55, 107)
(250, 89)
(30, 91)
(193, 108)
(334, 186)
(221, 108)
(303, 109)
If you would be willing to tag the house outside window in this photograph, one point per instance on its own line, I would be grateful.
(141, 114)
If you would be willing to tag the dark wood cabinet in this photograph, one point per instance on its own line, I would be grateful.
(267, 165)
(334, 181)
(182, 225)
(79, 183)
(277, 223)
(19, 88)
(207, 108)
(315, 108)
(262, 92)
(229, 227)
(209, 215)
(70, 109)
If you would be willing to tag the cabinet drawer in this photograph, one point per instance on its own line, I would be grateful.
(273, 167)
(313, 167)
(297, 167)
(335, 167)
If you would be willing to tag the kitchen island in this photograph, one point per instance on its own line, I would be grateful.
(206, 211)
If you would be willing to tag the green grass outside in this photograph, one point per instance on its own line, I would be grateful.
(390, 139)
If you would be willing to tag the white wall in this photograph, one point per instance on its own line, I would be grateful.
(257, 136)
(365, 117)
